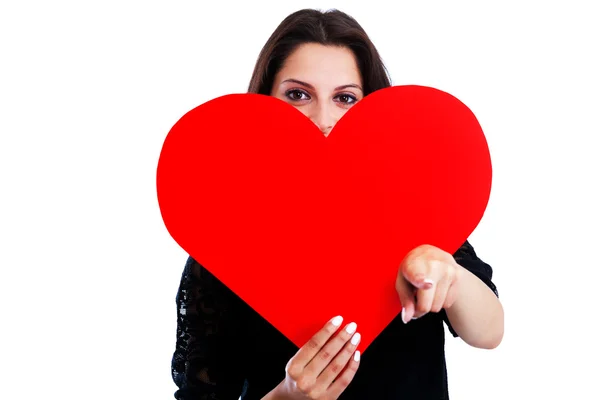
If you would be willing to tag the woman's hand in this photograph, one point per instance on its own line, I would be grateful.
(427, 281)
(323, 368)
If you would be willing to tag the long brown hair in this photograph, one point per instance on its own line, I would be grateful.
(332, 28)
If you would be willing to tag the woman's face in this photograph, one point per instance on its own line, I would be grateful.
(323, 82)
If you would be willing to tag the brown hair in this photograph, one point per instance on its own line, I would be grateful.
(333, 28)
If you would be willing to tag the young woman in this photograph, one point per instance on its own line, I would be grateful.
(323, 64)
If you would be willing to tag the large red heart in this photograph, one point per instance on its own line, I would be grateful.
(304, 227)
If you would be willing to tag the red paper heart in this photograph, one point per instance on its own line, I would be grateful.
(304, 227)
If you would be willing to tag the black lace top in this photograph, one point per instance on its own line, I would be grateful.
(225, 349)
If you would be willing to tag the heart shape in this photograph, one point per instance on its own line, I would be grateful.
(304, 227)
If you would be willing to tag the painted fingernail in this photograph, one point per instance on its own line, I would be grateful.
(403, 315)
(337, 321)
(351, 327)
(355, 339)
(356, 355)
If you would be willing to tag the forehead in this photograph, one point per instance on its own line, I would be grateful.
(321, 65)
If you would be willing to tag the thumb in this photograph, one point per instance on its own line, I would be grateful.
(407, 297)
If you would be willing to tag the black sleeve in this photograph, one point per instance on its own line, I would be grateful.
(208, 361)
(467, 258)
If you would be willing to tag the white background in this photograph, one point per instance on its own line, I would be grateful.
(88, 92)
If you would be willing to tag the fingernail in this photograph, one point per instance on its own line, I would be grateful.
(337, 321)
(356, 355)
(351, 327)
(428, 283)
(403, 315)
(355, 339)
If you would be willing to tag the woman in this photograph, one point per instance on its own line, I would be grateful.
(323, 64)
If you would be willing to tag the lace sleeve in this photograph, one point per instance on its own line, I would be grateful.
(207, 363)
(467, 258)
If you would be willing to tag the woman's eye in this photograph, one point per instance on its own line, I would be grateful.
(297, 95)
(347, 99)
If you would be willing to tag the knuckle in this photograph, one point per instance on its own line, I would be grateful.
(411, 268)
(336, 367)
(304, 385)
(313, 344)
(330, 329)
(343, 337)
(438, 267)
(452, 274)
(294, 370)
(325, 354)
(345, 380)
(294, 374)
(448, 276)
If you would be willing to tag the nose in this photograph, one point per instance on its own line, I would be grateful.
(324, 118)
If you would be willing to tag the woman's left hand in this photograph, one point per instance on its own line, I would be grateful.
(427, 281)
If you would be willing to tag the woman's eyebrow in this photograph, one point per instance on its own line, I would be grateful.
(313, 88)
(349, 85)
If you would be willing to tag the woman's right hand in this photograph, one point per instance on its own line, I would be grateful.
(322, 369)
